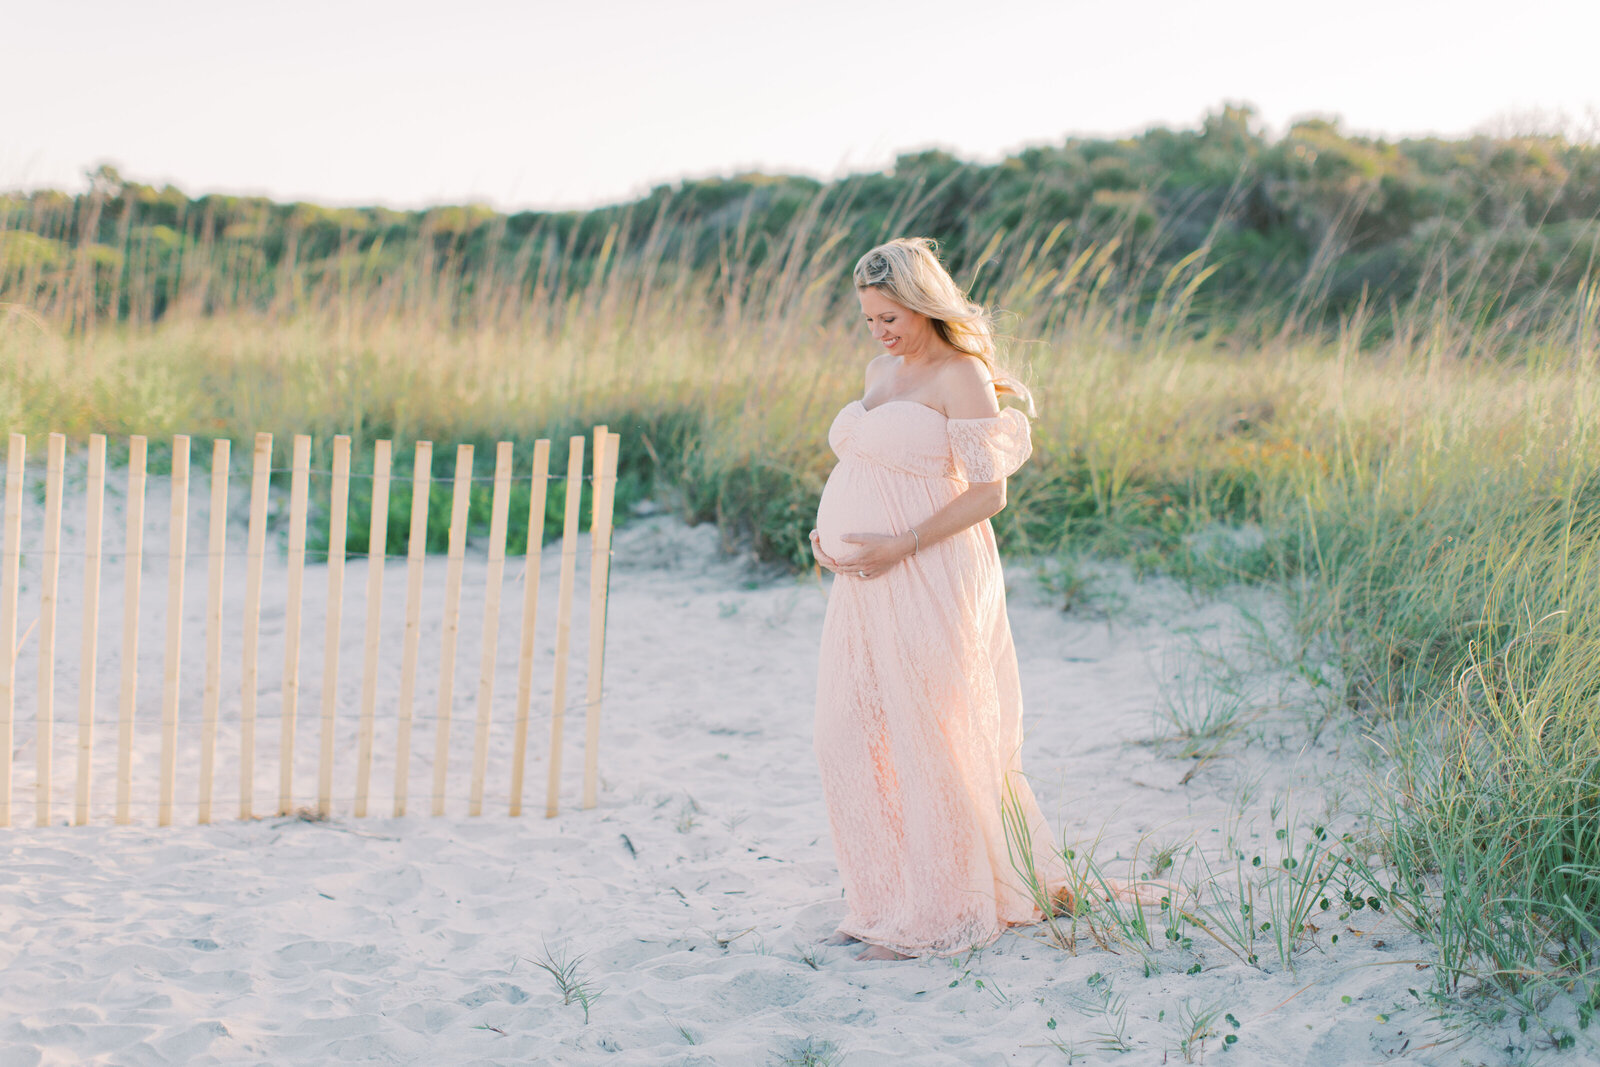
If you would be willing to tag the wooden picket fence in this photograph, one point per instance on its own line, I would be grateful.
(603, 481)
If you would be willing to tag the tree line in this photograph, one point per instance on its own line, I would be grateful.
(1306, 229)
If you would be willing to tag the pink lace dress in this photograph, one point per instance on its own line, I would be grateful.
(919, 713)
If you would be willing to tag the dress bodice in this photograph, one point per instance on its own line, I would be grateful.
(913, 438)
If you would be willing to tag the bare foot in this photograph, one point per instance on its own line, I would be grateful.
(839, 938)
(1065, 902)
(878, 952)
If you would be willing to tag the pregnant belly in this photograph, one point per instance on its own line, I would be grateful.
(851, 504)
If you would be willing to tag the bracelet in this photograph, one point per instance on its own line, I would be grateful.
(918, 538)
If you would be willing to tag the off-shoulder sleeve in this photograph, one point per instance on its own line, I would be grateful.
(986, 450)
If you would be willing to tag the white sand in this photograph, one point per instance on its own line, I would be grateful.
(693, 893)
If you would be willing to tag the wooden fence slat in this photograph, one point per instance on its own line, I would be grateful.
(377, 546)
(493, 580)
(530, 615)
(416, 553)
(177, 550)
(299, 487)
(133, 561)
(221, 453)
(255, 562)
(600, 521)
(338, 514)
(93, 536)
(10, 576)
(605, 452)
(569, 562)
(49, 594)
(460, 502)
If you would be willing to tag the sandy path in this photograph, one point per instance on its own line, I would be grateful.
(693, 893)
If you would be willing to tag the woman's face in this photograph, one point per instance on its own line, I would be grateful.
(899, 330)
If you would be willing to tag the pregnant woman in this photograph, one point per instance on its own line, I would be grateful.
(919, 713)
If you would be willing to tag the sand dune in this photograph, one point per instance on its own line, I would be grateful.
(691, 899)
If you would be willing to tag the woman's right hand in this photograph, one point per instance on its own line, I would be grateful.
(822, 558)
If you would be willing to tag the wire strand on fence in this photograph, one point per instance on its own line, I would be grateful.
(447, 481)
(241, 470)
(226, 724)
(312, 555)
(309, 803)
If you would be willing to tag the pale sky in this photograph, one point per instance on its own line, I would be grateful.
(542, 105)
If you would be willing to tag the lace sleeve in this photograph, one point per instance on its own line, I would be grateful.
(987, 450)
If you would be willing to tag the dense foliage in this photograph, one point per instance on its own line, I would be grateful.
(1307, 228)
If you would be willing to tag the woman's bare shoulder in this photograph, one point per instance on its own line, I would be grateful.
(876, 366)
(967, 389)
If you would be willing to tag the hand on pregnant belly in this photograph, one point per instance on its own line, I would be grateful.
(851, 507)
(854, 524)
(857, 563)
(873, 553)
(820, 556)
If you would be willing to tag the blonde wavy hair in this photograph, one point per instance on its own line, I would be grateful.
(907, 271)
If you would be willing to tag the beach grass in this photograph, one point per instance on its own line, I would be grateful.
(1426, 501)
(566, 971)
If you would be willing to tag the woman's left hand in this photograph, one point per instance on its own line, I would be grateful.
(878, 553)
